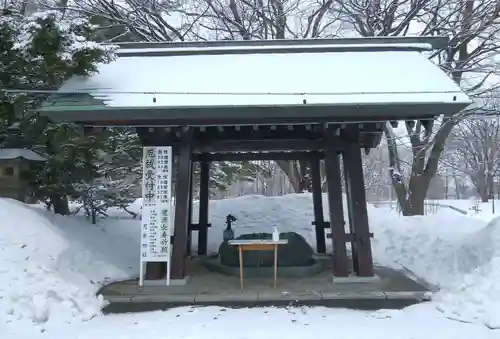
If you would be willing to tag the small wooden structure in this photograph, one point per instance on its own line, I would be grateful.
(13, 162)
(258, 245)
(301, 100)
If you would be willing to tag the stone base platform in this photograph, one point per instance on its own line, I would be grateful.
(389, 289)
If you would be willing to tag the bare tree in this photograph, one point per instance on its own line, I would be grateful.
(162, 20)
(375, 166)
(468, 59)
(472, 26)
(473, 149)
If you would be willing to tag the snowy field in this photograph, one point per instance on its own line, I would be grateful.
(51, 266)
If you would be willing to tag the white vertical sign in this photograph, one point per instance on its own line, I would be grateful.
(156, 207)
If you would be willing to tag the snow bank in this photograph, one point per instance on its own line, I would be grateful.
(45, 271)
(52, 266)
(475, 295)
(458, 254)
(256, 213)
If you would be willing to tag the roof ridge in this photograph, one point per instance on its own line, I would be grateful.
(437, 42)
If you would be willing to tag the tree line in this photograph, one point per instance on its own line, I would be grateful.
(469, 59)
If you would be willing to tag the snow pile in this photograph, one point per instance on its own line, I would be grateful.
(458, 254)
(51, 266)
(41, 278)
(426, 245)
(475, 295)
(256, 213)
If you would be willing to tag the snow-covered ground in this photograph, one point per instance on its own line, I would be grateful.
(51, 266)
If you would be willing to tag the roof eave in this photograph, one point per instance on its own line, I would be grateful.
(437, 42)
(213, 115)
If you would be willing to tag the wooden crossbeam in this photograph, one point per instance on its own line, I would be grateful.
(197, 227)
(350, 237)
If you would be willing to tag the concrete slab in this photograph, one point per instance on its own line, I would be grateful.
(392, 289)
(354, 295)
(232, 298)
(159, 298)
(289, 296)
(417, 295)
(355, 279)
(118, 299)
(163, 282)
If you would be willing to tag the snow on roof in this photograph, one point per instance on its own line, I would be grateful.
(15, 153)
(328, 78)
(173, 49)
(436, 42)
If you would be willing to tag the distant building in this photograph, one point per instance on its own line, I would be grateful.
(13, 162)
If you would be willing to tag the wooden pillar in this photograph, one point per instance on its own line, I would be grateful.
(333, 178)
(182, 196)
(190, 213)
(318, 204)
(354, 248)
(359, 213)
(203, 210)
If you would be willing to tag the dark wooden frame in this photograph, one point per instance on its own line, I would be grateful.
(302, 131)
(311, 144)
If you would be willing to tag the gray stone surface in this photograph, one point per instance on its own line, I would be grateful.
(354, 295)
(355, 279)
(184, 298)
(208, 297)
(163, 282)
(290, 296)
(392, 290)
(119, 299)
(407, 295)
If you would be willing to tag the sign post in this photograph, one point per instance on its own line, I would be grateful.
(156, 208)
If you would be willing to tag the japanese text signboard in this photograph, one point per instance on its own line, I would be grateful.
(156, 204)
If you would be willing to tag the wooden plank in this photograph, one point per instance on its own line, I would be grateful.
(263, 145)
(203, 207)
(247, 156)
(317, 204)
(182, 196)
(332, 169)
(349, 237)
(359, 212)
(190, 213)
(324, 224)
(257, 247)
(352, 230)
(240, 252)
(196, 227)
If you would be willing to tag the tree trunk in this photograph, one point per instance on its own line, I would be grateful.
(458, 187)
(297, 174)
(411, 199)
(60, 204)
(491, 183)
(414, 203)
(482, 191)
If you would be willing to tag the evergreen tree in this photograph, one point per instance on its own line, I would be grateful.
(116, 173)
(38, 52)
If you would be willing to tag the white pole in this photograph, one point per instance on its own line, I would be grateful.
(170, 214)
(141, 274)
(169, 255)
(168, 265)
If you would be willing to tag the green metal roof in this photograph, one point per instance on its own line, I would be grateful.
(272, 80)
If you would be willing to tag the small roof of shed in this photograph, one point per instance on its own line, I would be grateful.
(238, 80)
(16, 153)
